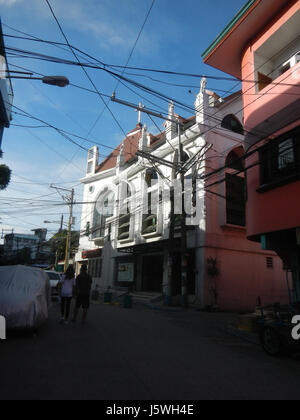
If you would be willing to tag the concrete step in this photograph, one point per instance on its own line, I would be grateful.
(145, 297)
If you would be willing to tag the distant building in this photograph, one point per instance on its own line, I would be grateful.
(41, 234)
(40, 251)
(15, 242)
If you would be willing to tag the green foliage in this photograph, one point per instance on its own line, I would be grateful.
(58, 243)
(213, 272)
(5, 175)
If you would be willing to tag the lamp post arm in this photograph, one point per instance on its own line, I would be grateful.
(60, 81)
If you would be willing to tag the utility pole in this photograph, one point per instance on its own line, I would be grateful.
(68, 242)
(70, 201)
(171, 244)
(6, 230)
(184, 290)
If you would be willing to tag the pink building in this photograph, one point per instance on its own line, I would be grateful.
(261, 47)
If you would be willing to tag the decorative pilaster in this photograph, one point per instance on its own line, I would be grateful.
(120, 158)
(143, 143)
(170, 126)
(202, 103)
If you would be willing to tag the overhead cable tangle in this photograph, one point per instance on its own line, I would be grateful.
(31, 54)
(86, 73)
(161, 96)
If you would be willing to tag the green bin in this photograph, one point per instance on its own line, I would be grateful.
(127, 301)
(107, 297)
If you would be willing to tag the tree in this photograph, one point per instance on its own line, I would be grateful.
(5, 174)
(58, 244)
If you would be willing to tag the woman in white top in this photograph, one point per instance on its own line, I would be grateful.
(67, 284)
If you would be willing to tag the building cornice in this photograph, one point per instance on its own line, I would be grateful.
(228, 28)
(98, 176)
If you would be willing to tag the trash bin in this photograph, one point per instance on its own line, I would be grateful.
(107, 297)
(127, 301)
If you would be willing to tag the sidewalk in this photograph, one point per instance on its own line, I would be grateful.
(227, 322)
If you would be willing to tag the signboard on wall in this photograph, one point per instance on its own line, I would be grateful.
(95, 253)
(126, 272)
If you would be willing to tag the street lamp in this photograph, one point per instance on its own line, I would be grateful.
(48, 221)
(60, 81)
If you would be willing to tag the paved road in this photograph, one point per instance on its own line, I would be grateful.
(141, 354)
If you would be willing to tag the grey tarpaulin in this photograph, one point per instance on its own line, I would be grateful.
(24, 296)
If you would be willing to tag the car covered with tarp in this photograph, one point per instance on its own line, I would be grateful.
(25, 297)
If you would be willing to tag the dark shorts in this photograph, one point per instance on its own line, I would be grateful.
(83, 301)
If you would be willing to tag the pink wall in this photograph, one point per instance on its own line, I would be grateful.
(258, 107)
(273, 210)
(243, 271)
(276, 209)
(244, 277)
(272, 98)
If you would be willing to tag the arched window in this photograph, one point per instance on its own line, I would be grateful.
(235, 189)
(230, 122)
(104, 209)
(233, 161)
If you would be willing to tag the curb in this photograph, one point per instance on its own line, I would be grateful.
(243, 335)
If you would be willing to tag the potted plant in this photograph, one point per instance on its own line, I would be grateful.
(213, 273)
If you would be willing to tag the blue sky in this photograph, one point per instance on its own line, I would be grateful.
(174, 37)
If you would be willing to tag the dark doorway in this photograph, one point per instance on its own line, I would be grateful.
(191, 276)
(176, 274)
(152, 275)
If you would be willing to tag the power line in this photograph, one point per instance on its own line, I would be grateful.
(164, 97)
(137, 39)
(84, 70)
(130, 55)
(256, 82)
(30, 54)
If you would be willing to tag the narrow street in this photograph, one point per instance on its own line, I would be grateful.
(141, 354)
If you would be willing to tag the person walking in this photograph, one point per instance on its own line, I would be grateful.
(83, 290)
(67, 285)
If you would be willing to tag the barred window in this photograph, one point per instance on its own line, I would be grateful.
(104, 209)
(95, 267)
(280, 159)
(149, 224)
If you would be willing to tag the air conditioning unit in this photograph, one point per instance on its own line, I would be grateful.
(290, 63)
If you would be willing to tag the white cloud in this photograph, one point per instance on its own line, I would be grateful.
(9, 2)
(21, 216)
